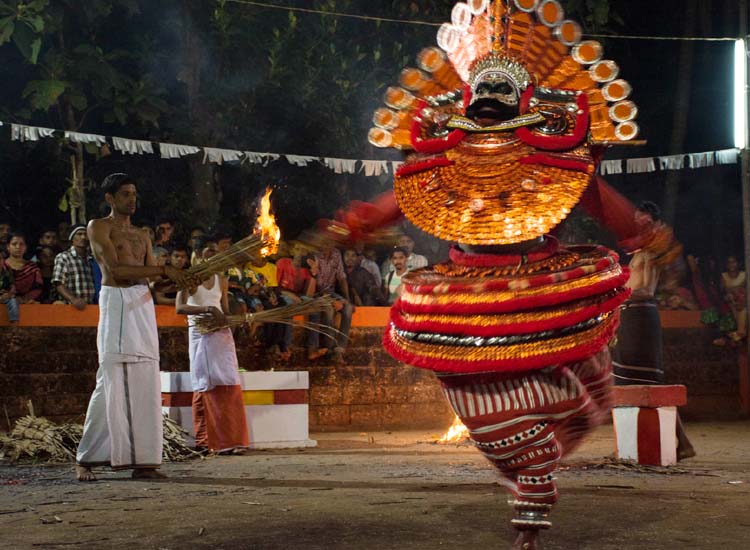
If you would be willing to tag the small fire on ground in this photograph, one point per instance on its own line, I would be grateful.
(266, 227)
(455, 434)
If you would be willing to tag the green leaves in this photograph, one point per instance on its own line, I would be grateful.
(43, 94)
(7, 26)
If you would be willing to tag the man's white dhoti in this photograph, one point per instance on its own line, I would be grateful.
(123, 425)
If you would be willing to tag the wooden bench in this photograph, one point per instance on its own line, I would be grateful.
(645, 420)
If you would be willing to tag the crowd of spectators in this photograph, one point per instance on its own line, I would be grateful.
(59, 269)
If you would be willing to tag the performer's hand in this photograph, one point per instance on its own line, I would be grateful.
(218, 315)
(179, 276)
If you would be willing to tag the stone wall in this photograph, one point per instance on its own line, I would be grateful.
(55, 367)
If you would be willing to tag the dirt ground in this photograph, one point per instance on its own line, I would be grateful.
(385, 491)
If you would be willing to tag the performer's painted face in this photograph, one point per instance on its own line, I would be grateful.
(494, 99)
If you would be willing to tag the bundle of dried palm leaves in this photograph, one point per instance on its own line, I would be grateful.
(237, 254)
(36, 438)
(283, 314)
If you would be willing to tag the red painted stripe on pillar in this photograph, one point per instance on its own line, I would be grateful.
(181, 399)
(290, 397)
(649, 440)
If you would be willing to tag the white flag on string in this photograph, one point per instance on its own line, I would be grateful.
(132, 146)
(78, 137)
(176, 151)
(341, 166)
(21, 132)
(636, 166)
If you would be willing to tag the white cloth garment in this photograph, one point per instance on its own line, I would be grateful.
(341, 166)
(78, 137)
(127, 325)
(220, 156)
(132, 146)
(213, 357)
(176, 151)
(123, 425)
(20, 132)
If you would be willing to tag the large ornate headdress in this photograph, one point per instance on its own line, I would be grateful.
(498, 123)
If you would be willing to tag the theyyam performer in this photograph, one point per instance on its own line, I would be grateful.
(123, 426)
(502, 127)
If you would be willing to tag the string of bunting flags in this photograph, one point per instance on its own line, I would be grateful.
(23, 133)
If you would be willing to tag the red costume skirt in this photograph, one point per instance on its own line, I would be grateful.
(524, 422)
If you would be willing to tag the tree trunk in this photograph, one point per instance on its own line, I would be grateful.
(681, 112)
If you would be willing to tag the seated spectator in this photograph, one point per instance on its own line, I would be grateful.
(47, 238)
(223, 241)
(63, 230)
(197, 235)
(413, 261)
(5, 228)
(392, 281)
(8, 292)
(331, 277)
(4, 237)
(297, 283)
(46, 261)
(277, 337)
(291, 275)
(72, 278)
(161, 255)
(164, 233)
(733, 285)
(368, 260)
(150, 232)
(26, 274)
(364, 289)
(177, 259)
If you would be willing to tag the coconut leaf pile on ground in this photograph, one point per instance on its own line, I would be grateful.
(36, 438)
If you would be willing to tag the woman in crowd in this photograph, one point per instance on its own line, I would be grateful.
(26, 274)
(218, 409)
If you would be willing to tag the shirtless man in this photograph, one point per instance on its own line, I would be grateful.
(123, 427)
(638, 355)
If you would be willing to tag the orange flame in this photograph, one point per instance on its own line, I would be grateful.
(265, 225)
(456, 433)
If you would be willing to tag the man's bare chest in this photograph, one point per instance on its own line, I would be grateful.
(129, 243)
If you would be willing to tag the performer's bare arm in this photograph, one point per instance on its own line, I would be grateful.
(126, 259)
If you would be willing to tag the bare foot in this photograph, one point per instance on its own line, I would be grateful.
(685, 452)
(84, 473)
(148, 473)
(526, 540)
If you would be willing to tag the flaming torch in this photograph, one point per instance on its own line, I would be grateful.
(263, 241)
